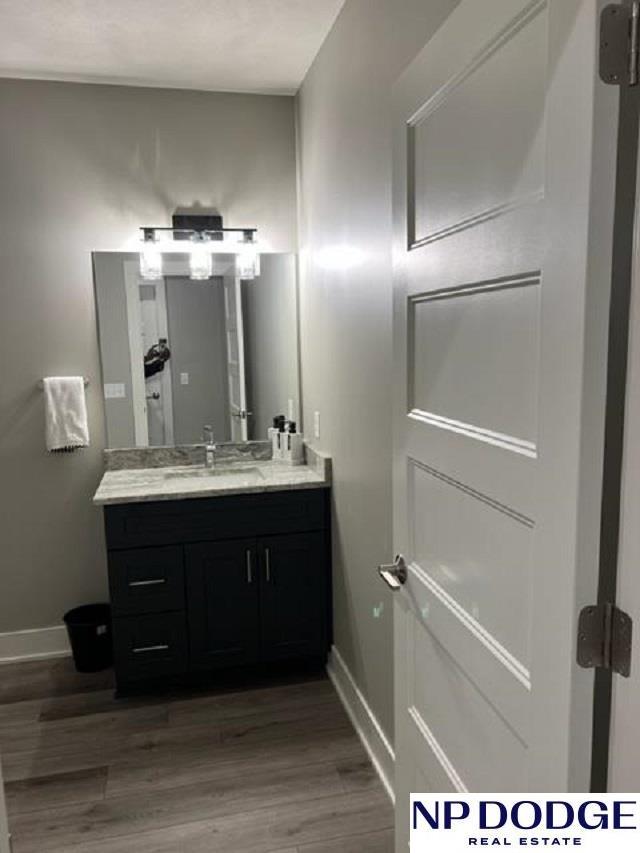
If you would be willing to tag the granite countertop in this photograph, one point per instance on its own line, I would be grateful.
(229, 477)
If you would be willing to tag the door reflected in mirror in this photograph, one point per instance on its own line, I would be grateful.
(178, 354)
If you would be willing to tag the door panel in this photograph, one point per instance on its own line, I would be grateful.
(499, 160)
(462, 720)
(474, 383)
(501, 278)
(293, 595)
(494, 552)
(222, 596)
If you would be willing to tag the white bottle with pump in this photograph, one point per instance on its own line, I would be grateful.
(274, 434)
(293, 445)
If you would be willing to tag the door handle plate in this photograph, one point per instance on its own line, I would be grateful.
(394, 574)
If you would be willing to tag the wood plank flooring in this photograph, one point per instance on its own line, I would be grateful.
(271, 768)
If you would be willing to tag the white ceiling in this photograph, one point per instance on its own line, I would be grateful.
(261, 46)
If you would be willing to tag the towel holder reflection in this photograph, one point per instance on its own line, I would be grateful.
(41, 383)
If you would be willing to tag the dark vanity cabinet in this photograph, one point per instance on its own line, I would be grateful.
(202, 584)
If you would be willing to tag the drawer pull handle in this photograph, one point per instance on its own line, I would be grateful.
(249, 571)
(267, 563)
(162, 647)
(152, 582)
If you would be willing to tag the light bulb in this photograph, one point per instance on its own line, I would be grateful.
(200, 260)
(150, 259)
(248, 261)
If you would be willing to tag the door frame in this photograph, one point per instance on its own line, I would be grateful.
(237, 421)
(5, 835)
(624, 268)
(136, 354)
(616, 701)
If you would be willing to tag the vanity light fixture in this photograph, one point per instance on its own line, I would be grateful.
(200, 260)
(247, 258)
(150, 257)
(199, 236)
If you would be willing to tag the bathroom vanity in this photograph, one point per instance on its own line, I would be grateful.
(210, 569)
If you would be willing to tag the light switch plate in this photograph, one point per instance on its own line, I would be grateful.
(316, 424)
(114, 390)
(184, 378)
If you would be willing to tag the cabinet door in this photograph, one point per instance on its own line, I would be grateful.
(222, 603)
(146, 580)
(150, 645)
(293, 595)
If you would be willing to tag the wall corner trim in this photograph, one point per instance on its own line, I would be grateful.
(364, 721)
(34, 644)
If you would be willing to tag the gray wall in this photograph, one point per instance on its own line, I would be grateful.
(111, 305)
(345, 198)
(270, 318)
(197, 339)
(81, 167)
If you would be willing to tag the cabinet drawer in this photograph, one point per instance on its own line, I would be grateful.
(147, 580)
(150, 646)
(209, 519)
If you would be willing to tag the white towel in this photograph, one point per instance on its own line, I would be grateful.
(66, 413)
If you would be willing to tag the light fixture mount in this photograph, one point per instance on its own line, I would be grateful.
(186, 226)
(199, 231)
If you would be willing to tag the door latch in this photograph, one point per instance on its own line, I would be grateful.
(604, 638)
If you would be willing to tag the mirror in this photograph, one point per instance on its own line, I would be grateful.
(178, 354)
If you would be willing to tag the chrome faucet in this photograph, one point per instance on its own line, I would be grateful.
(209, 446)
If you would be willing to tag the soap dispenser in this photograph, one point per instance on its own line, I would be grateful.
(293, 450)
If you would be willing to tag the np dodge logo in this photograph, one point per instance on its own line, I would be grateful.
(443, 823)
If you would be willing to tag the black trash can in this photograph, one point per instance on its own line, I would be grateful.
(89, 629)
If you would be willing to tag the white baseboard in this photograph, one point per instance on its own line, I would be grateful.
(34, 644)
(364, 721)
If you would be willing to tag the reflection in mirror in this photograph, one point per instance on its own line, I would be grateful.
(179, 354)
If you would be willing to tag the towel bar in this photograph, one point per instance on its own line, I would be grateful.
(41, 383)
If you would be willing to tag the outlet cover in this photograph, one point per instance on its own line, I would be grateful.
(114, 390)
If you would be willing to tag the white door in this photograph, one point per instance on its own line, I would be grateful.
(235, 358)
(158, 390)
(147, 321)
(624, 772)
(503, 199)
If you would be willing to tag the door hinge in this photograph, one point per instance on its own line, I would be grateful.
(604, 638)
(619, 43)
